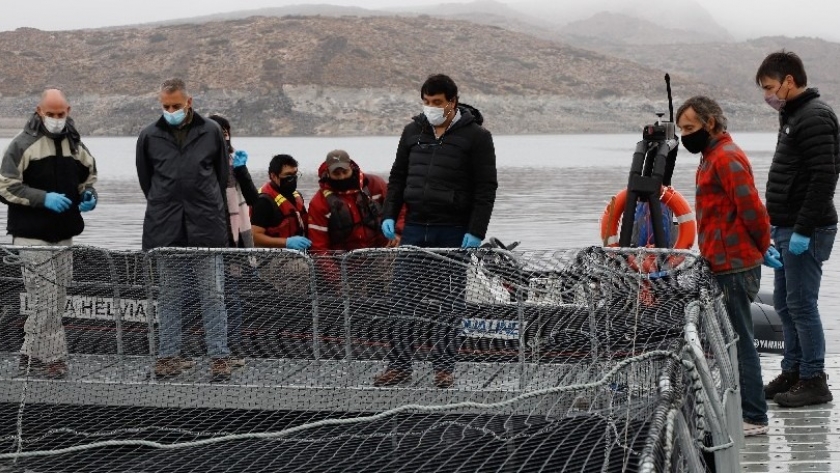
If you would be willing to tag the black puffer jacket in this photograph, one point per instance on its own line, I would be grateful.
(449, 180)
(803, 176)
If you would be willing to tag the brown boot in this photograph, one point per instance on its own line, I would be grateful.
(391, 377)
(781, 384)
(220, 369)
(172, 366)
(444, 379)
(236, 362)
(56, 369)
(806, 392)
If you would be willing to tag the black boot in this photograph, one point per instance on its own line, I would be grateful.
(806, 392)
(781, 384)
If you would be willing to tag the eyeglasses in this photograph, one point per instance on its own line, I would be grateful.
(289, 177)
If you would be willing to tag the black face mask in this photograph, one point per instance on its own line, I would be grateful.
(230, 148)
(342, 185)
(697, 141)
(287, 186)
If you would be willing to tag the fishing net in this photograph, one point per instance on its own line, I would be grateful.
(583, 360)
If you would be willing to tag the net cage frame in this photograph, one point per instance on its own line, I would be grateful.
(628, 352)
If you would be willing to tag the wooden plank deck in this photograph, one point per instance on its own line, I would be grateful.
(800, 439)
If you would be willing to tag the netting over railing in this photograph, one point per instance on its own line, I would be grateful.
(272, 360)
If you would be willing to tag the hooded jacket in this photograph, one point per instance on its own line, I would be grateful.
(449, 180)
(184, 185)
(803, 175)
(347, 220)
(37, 162)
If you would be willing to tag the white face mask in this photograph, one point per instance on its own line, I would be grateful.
(435, 115)
(54, 125)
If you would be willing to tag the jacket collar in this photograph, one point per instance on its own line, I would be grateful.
(792, 105)
(196, 129)
(35, 127)
(722, 139)
(466, 117)
(195, 119)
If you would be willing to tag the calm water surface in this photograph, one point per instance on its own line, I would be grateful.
(552, 189)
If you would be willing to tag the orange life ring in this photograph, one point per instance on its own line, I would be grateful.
(687, 226)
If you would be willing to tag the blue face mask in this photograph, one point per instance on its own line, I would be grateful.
(175, 118)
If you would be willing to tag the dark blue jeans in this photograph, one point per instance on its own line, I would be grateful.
(739, 291)
(795, 294)
(428, 298)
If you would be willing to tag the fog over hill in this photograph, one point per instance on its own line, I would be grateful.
(339, 70)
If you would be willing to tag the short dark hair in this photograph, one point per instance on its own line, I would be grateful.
(781, 64)
(706, 109)
(277, 163)
(222, 121)
(440, 84)
(174, 85)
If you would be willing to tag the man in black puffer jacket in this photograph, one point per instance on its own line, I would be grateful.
(800, 201)
(445, 175)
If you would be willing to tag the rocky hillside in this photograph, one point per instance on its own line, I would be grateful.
(328, 76)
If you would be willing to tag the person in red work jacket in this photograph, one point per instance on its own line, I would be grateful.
(734, 237)
(346, 213)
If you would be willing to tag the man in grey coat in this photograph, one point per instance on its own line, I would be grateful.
(182, 165)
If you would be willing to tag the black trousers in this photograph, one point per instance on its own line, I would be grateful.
(427, 297)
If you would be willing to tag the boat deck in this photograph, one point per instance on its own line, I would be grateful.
(800, 439)
(288, 384)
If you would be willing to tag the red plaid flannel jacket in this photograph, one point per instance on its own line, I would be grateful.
(732, 222)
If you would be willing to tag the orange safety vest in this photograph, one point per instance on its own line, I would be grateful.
(294, 220)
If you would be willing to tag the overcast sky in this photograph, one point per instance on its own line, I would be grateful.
(743, 18)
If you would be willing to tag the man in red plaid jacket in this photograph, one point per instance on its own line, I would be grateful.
(734, 236)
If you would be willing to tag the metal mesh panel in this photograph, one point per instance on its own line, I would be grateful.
(573, 360)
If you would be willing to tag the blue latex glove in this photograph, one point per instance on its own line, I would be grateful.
(772, 258)
(388, 228)
(57, 202)
(470, 241)
(88, 202)
(298, 243)
(239, 158)
(798, 243)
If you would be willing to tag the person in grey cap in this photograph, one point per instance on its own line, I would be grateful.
(346, 213)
